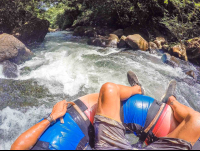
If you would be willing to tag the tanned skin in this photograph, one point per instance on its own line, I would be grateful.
(109, 100)
(109, 105)
(28, 139)
(189, 128)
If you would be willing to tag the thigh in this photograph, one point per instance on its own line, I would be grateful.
(109, 101)
(189, 129)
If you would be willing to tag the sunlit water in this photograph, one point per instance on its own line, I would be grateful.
(68, 67)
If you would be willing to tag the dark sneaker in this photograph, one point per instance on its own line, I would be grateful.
(133, 80)
(170, 91)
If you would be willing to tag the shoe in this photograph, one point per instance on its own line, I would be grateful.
(170, 91)
(133, 80)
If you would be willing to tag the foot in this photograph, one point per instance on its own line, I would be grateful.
(170, 91)
(133, 80)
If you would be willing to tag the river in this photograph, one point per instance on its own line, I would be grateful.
(68, 68)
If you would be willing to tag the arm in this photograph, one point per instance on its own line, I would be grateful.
(28, 139)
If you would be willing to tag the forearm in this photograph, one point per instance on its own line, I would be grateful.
(28, 139)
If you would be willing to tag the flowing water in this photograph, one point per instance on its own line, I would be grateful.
(65, 67)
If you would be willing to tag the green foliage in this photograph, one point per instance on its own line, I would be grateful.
(185, 22)
(180, 17)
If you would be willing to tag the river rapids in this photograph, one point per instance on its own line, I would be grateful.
(65, 67)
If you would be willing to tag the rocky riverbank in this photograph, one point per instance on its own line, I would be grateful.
(19, 29)
(176, 55)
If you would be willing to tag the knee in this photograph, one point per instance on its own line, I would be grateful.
(109, 87)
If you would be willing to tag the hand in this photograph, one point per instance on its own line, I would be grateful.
(59, 110)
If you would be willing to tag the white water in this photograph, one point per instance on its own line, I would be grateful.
(67, 65)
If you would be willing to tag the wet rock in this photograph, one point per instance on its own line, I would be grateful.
(14, 50)
(32, 31)
(180, 51)
(24, 93)
(96, 42)
(136, 29)
(122, 43)
(137, 42)
(10, 69)
(176, 62)
(160, 41)
(192, 74)
(170, 60)
(165, 48)
(112, 40)
(25, 71)
(119, 32)
(52, 30)
(193, 50)
(107, 41)
(185, 66)
(152, 47)
(89, 31)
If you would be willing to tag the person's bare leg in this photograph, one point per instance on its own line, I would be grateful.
(180, 111)
(189, 128)
(110, 97)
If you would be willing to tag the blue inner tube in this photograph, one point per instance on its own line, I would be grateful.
(63, 136)
(136, 108)
(70, 135)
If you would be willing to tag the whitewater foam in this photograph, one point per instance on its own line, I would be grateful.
(14, 123)
(65, 66)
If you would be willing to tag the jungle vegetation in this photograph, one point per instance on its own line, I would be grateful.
(181, 17)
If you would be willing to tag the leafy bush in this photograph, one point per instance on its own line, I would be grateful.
(175, 19)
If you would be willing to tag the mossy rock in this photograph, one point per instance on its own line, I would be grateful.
(25, 70)
(23, 93)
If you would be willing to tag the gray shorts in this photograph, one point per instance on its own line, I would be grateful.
(169, 144)
(110, 135)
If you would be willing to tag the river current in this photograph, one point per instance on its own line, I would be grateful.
(69, 68)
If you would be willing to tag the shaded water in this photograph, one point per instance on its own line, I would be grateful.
(67, 68)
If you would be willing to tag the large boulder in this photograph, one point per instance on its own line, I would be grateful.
(193, 50)
(107, 41)
(122, 43)
(96, 42)
(32, 31)
(137, 42)
(160, 41)
(52, 30)
(137, 29)
(152, 47)
(12, 49)
(10, 69)
(180, 51)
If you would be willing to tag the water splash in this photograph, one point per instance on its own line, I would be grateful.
(67, 65)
